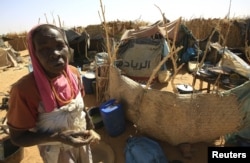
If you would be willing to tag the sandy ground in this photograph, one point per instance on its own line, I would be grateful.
(117, 144)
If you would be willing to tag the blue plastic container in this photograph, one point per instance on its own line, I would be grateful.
(113, 117)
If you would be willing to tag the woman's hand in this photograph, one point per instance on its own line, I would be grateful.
(95, 137)
(78, 138)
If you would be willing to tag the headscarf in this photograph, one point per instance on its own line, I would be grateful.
(60, 84)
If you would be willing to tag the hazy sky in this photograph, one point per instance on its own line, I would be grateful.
(22, 15)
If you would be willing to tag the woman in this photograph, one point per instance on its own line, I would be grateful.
(46, 106)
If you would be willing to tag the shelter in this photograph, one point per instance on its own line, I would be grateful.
(85, 46)
(79, 42)
(232, 62)
(8, 56)
(175, 118)
(141, 50)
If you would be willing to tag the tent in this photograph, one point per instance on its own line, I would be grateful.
(8, 56)
(79, 42)
(141, 50)
(231, 61)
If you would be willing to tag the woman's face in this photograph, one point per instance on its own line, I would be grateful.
(51, 51)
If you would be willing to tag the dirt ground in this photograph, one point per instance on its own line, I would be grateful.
(31, 155)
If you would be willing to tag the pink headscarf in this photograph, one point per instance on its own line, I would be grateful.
(43, 84)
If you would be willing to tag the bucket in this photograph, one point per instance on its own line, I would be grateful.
(193, 66)
(184, 88)
(96, 117)
(113, 117)
(10, 152)
(88, 78)
(163, 76)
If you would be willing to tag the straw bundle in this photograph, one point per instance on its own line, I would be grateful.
(175, 118)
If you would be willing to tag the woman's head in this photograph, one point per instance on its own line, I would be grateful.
(49, 51)
(49, 46)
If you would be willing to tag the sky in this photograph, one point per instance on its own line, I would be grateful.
(21, 15)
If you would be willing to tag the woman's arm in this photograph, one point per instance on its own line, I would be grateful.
(26, 138)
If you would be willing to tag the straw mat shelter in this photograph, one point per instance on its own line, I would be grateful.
(172, 117)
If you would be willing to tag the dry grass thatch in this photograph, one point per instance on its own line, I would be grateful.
(175, 118)
(201, 28)
(18, 41)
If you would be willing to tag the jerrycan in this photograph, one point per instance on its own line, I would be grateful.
(113, 117)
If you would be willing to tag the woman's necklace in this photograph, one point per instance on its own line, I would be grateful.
(57, 96)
